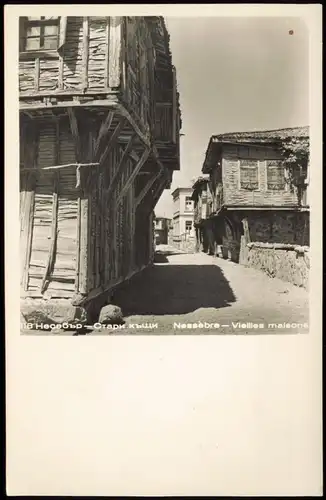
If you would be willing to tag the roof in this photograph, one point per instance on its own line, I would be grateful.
(200, 180)
(273, 136)
(181, 189)
(264, 135)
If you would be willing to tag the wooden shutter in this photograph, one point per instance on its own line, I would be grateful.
(275, 175)
(249, 174)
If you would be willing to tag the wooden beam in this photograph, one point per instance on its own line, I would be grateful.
(37, 74)
(121, 162)
(134, 156)
(75, 132)
(107, 52)
(54, 234)
(158, 192)
(109, 100)
(129, 182)
(115, 51)
(113, 139)
(26, 242)
(105, 126)
(60, 75)
(85, 53)
(146, 188)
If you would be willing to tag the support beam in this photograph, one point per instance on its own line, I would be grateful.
(121, 162)
(54, 234)
(85, 53)
(131, 179)
(146, 188)
(115, 51)
(105, 126)
(113, 139)
(75, 132)
(158, 192)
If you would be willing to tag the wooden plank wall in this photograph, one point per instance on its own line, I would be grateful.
(112, 224)
(90, 54)
(54, 145)
(232, 194)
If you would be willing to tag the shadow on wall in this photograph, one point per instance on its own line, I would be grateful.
(175, 289)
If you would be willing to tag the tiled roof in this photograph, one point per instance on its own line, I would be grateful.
(263, 135)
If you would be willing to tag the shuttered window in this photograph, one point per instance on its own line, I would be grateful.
(275, 175)
(249, 174)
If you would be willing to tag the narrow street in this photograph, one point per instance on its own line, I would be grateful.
(210, 293)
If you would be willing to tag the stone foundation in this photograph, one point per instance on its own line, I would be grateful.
(287, 262)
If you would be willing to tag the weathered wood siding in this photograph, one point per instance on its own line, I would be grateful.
(112, 228)
(234, 195)
(139, 70)
(54, 144)
(89, 60)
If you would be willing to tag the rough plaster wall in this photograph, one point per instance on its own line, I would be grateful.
(286, 265)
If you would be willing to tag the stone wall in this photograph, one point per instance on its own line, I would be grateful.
(286, 262)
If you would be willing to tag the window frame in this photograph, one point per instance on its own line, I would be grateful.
(285, 186)
(41, 23)
(188, 199)
(191, 226)
(257, 166)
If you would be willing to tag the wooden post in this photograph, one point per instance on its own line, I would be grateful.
(246, 230)
(115, 51)
(26, 241)
(54, 233)
(30, 158)
(83, 217)
(107, 52)
(37, 74)
(85, 53)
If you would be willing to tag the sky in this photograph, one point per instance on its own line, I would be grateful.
(235, 74)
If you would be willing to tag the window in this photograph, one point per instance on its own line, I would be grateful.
(189, 203)
(188, 226)
(39, 33)
(249, 174)
(275, 175)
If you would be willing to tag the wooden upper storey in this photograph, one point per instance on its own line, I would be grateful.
(250, 171)
(123, 58)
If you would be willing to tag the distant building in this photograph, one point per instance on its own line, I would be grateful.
(183, 217)
(183, 212)
(249, 190)
(161, 229)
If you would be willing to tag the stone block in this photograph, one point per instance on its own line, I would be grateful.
(111, 315)
(51, 311)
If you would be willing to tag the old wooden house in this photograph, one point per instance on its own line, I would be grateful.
(252, 191)
(99, 141)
